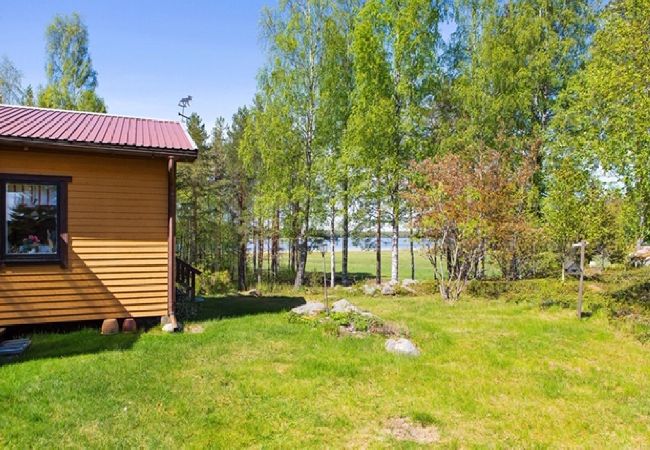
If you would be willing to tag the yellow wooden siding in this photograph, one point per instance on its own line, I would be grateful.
(117, 223)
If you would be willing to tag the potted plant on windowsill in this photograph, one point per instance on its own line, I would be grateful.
(30, 244)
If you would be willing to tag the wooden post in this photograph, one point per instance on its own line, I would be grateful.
(582, 244)
(171, 239)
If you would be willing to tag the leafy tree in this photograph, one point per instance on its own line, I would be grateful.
(396, 73)
(291, 85)
(515, 58)
(605, 112)
(452, 200)
(605, 232)
(10, 82)
(337, 84)
(372, 126)
(565, 206)
(71, 79)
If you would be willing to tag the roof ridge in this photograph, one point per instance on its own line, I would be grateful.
(90, 113)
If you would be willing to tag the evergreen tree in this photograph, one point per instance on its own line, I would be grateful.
(28, 97)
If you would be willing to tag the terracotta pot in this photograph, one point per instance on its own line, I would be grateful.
(110, 326)
(129, 326)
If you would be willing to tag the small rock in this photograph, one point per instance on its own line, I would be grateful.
(164, 320)
(110, 326)
(387, 289)
(369, 289)
(344, 306)
(195, 329)
(402, 346)
(309, 309)
(129, 326)
(408, 282)
(168, 328)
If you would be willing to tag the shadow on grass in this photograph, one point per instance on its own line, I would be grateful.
(68, 339)
(82, 338)
(238, 306)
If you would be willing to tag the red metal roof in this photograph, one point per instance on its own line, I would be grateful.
(80, 129)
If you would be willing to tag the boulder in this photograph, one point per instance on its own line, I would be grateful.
(388, 289)
(110, 326)
(401, 346)
(309, 309)
(129, 326)
(370, 289)
(344, 306)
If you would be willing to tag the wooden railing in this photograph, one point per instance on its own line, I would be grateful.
(186, 277)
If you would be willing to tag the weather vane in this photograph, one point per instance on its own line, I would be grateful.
(184, 103)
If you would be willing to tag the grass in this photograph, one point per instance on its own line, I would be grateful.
(499, 373)
(361, 264)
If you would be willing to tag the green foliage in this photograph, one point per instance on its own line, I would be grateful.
(603, 114)
(212, 283)
(332, 322)
(510, 61)
(630, 306)
(487, 289)
(71, 79)
(565, 207)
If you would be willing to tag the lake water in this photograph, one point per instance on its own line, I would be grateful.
(353, 244)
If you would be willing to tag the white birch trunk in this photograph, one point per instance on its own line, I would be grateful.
(394, 253)
(332, 249)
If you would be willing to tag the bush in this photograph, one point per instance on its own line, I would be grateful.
(545, 264)
(214, 282)
(314, 279)
(487, 289)
(631, 307)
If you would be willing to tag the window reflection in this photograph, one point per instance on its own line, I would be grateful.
(31, 219)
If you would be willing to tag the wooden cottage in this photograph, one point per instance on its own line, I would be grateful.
(87, 210)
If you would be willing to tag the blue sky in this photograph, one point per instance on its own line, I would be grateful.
(149, 54)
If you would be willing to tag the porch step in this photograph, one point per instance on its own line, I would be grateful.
(14, 347)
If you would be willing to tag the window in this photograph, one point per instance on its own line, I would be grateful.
(33, 218)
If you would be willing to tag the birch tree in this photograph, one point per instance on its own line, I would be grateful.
(396, 72)
(294, 34)
(337, 84)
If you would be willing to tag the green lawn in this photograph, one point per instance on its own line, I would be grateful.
(491, 373)
(361, 264)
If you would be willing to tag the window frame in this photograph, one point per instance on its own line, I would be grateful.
(61, 255)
